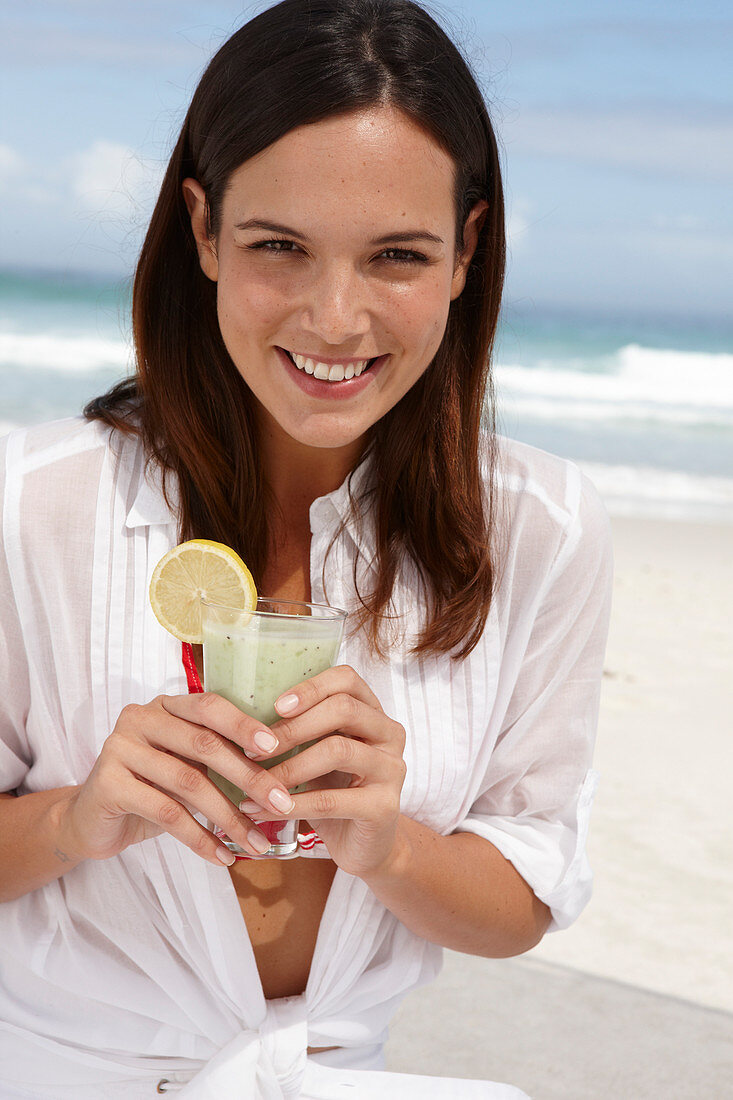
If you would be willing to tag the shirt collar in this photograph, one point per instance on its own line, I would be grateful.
(335, 507)
(149, 506)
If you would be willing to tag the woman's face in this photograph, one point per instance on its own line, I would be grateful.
(335, 267)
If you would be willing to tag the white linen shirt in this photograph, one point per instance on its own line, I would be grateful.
(137, 968)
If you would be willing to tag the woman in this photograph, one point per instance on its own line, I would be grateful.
(313, 313)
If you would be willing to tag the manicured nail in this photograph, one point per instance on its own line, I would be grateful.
(249, 807)
(265, 741)
(281, 801)
(225, 856)
(286, 703)
(259, 842)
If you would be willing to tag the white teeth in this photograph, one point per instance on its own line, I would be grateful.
(334, 372)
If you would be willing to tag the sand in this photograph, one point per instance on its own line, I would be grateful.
(636, 998)
(661, 841)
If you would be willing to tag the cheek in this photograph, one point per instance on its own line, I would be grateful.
(424, 317)
(417, 322)
(248, 304)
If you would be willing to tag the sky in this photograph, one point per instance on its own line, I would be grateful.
(615, 121)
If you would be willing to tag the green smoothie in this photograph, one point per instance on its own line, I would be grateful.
(252, 663)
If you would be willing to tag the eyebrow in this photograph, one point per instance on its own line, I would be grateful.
(403, 236)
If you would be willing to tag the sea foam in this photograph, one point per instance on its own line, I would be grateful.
(63, 352)
(635, 383)
(664, 494)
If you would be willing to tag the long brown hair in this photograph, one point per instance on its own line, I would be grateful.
(297, 63)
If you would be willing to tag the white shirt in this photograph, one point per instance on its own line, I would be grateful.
(137, 968)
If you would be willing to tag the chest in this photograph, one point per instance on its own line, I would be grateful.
(287, 572)
(448, 710)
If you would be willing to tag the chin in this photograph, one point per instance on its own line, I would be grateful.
(334, 441)
(326, 432)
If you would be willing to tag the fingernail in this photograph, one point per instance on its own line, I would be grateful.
(286, 703)
(249, 807)
(281, 800)
(225, 856)
(259, 842)
(265, 741)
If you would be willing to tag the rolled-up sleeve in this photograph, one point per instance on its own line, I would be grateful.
(15, 694)
(536, 794)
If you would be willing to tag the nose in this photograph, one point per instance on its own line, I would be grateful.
(335, 307)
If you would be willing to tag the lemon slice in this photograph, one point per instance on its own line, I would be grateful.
(194, 569)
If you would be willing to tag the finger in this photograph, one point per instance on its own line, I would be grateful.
(372, 804)
(167, 813)
(197, 743)
(218, 714)
(227, 760)
(345, 755)
(171, 775)
(347, 714)
(251, 809)
(336, 680)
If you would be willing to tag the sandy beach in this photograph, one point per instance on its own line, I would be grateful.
(661, 841)
(636, 999)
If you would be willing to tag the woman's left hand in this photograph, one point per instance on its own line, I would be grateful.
(357, 761)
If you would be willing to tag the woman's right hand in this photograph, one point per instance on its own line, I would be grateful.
(150, 778)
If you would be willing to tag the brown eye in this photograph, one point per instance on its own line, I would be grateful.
(274, 245)
(403, 256)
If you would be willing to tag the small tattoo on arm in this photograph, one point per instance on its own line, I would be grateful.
(62, 855)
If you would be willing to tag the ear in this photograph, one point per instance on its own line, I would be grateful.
(195, 199)
(471, 230)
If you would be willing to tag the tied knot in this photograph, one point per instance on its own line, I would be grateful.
(268, 1063)
(283, 1046)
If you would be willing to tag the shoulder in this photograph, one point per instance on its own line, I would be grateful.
(54, 445)
(49, 445)
(546, 510)
(50, 474)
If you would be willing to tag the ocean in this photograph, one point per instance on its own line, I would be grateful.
(644, 405)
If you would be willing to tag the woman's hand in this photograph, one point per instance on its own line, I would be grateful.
(150, 778)
(358, 765)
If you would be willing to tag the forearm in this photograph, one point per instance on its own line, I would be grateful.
(34, 844)
(460, 892)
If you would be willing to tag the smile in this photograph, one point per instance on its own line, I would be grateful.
(330, 372)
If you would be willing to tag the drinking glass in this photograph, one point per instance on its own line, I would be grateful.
(251, 658)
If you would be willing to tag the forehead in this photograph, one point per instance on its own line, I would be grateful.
(366, 166)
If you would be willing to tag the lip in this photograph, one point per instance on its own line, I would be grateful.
(317, 387)
(330, 360)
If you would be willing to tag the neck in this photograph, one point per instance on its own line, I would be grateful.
(298, 474)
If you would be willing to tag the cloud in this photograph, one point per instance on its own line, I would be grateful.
(697, 145)
(107, 180)
(519, 212)
(12, 167)
(19, 177)
(111, 179)
(89, 208)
